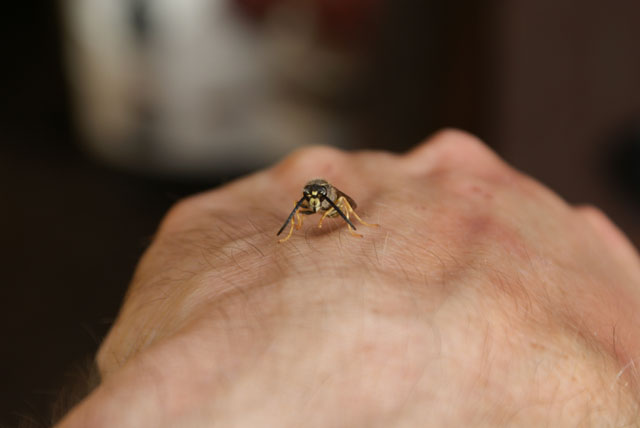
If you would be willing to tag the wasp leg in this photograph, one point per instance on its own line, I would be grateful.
(299, 218)
(344, 205)
(332, 213)
(293, 223)
(357, 235)
(329, 213)
(288, 234)
(343, 201)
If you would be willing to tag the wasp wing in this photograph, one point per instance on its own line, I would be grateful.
(347, 197)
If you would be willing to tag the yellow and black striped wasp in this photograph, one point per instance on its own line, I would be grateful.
(320, 196)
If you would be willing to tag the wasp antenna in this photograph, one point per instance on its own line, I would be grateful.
(291, 215)
(335, 207)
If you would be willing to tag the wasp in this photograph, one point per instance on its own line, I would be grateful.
(320, 196)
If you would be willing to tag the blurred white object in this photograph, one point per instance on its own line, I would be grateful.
(189, 87)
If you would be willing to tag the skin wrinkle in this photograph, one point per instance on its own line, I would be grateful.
(188, 298)
(511, 292)
(602, 305)
(551, 341)
(502, 282)
(419, 378)
(553, 397)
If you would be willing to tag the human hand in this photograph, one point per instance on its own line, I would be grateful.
(482, 299)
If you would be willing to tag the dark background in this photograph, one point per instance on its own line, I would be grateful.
(555, 89)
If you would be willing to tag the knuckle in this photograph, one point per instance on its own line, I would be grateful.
(312, 154)
(592, 212)
(597, 218)
(454, 136)
(311, 160)
(456, 148)
(452, 149)
(180, 213)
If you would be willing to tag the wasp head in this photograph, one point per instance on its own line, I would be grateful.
(315, 191)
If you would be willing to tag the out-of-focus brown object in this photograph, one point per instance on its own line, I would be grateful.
(567, 85)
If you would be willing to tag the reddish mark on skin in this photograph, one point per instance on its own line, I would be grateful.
(535, 345)
(481, 192)
(492, 232)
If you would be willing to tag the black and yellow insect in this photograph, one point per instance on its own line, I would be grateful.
(320, 196)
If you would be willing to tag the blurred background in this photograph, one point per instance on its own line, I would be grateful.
(114, 109)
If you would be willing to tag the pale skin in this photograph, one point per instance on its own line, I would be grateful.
(483, 299)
